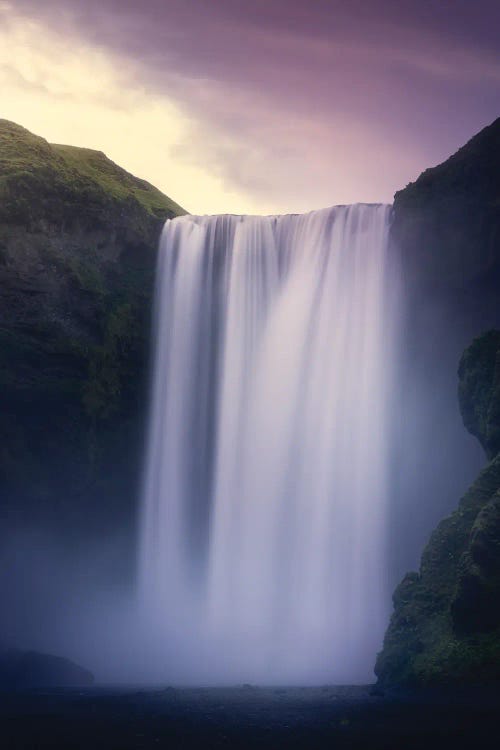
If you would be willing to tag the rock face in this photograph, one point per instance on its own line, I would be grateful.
(446, 234)
(479, 391)
(446, 231)
(446, 621)
(447, 222)
(78, 238)
(29, 669)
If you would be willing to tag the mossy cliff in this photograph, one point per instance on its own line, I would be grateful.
(446, 622)
(446, 234)
(78, 239)
(446, 230)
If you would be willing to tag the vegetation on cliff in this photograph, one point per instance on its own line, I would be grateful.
(479, 391)
(38, 178)
(446, 621)
(78, 238)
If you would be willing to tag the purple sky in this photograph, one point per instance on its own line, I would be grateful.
(301, 104)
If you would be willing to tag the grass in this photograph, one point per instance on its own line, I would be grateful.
(116, 181)
(24, 156)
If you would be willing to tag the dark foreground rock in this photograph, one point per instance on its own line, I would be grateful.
(446, 622)
(30, 669)
(232, 718)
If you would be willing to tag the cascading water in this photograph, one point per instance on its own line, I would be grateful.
(263, 535)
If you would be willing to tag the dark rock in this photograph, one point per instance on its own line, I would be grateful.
(447, 222)
(445, 235)
(476, 605)
(30, 669)
(479, 391)
(446, 622)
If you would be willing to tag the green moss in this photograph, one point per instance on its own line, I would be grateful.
(446, 621)
(116, 181)
(107, 365)
(34, 172)
(460, 661)
(78, 240)
(479, 390)
(32, 363)
(21, 152)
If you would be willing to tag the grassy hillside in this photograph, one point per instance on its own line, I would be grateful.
(29, 163)
(78, 244)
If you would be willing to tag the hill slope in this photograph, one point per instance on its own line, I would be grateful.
(33, 169)
(78, 239)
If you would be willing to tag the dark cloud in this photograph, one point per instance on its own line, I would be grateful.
(349, 98)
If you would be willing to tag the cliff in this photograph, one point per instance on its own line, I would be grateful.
(446, 622)
(446, 232)
(447, 222)
(78, 238)
(445, 235)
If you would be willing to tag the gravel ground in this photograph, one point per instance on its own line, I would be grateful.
(249, 717)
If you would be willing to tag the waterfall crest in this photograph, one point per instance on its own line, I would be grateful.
(266, 487)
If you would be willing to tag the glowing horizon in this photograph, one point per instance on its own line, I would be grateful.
(253, 110)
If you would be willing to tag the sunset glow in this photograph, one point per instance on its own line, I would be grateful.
(261, 109)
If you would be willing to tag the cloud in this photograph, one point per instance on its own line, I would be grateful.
(71, 92)
(289, 106)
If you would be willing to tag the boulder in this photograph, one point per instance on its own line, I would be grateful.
(31, 669)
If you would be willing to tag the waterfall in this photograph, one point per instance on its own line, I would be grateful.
(266, 488)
